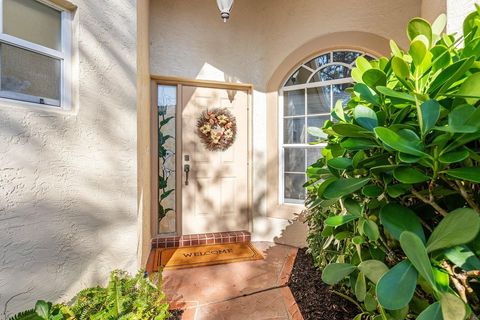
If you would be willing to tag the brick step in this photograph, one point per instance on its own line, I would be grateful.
(199, 239)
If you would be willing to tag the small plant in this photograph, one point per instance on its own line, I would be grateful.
(46, 311)
(394, 204)
(125, 298)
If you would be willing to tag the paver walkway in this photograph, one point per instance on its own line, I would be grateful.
(243, 290)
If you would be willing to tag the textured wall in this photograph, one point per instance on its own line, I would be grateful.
(457, 10)
(68, 180)
(260, 34)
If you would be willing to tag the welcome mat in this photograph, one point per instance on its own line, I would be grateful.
(205, 255)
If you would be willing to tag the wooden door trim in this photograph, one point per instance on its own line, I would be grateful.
(202, 83)
(179, 82)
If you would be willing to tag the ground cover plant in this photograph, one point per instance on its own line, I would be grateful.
(125, 298)
(394, 204)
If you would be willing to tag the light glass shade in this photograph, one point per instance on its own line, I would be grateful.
(225, 6)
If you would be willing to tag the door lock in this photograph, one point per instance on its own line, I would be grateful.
(186, 169)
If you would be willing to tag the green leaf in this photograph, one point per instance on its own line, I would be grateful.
(338, 110)
(373, 269)
(365, 117)
(372, 191)
(440, 57)
(430, 110)
(395, 49)
(363, 64)
(458, 227)
(395, 141)
(360, 287)
(400, 314)
(370, 229)
(316, 132)
(350, 130)
(463, 257)
(396, 190)
(374, 78)
(471, 88)
(342, 187)
(408, 158)
(165, 121)
(439, 24)
(458, 120)
(450, 75)
(336, 272)
(400, 68)
(415, 251)
(449, 72)
(454, 156)
(453, 307)
(370, 303)
(340, 163)
(466, 173)
(42, 308)
(417, 51)
(409, 175)
(353, 207)
(396, 94)
(419, 26)
(397, 219)
(339, 220)
(355, 144)
(366, 93)
(442, 279)
(395, 288)
(433, 312)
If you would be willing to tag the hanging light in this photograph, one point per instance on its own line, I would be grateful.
(225, 6)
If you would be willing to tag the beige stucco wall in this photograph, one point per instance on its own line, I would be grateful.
(188, 39)
(431, 9)
(68, 179)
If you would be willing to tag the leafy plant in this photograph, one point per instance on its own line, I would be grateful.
(124, 298)
(45, 311)
(394, 204)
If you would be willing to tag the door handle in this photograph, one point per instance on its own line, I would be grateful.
(186, 169)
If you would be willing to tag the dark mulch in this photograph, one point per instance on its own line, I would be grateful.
(175, 315)
(314, 298)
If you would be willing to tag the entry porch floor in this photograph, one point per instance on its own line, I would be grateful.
(242, 290)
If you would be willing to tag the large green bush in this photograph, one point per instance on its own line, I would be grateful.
(125, 298)
(393, 205)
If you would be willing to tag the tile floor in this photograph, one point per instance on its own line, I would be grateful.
(243, 290)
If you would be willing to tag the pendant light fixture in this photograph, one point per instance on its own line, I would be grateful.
(225, 6)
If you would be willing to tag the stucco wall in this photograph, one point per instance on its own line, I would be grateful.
(188, 39)
(68, 179)
(457, 10)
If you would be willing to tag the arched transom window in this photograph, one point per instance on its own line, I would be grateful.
(307, 99)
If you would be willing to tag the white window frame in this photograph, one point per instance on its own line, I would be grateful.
(64, 56)
(281, 117)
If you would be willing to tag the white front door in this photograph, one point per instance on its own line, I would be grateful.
(216, 196)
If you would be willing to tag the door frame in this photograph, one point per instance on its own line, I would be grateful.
(179, 82)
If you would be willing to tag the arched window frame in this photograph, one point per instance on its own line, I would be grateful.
(305, 146)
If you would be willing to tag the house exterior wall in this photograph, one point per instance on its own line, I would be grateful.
(260, 38)
(68, 178)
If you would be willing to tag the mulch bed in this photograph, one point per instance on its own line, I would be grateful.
(314, 298)
(175, 315)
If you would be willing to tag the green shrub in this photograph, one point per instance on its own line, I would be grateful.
(393, 205)
(125, 298)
